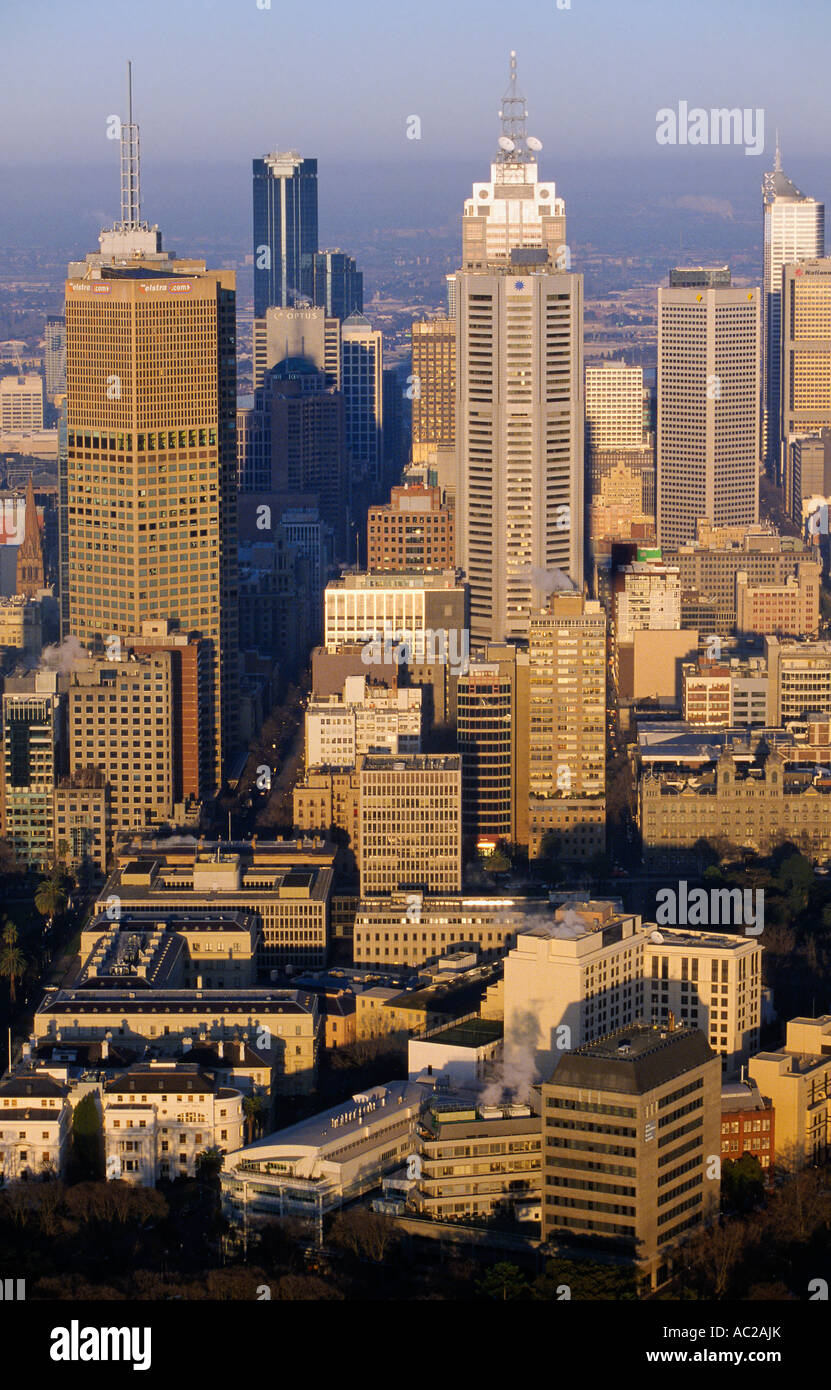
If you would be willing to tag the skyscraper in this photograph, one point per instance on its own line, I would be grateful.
(285, 229)
(55, 355)
(362, 371)
(433, 387)
(33, 743)
(519, 438)
(806, 365)
(151, 459)
(794, 230)
(513, 209)
(708, 417)
(338, 284)
(567, 710)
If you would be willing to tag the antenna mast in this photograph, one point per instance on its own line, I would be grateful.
(130, 165)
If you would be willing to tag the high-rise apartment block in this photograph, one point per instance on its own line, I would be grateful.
(411, 824)
(646, 597)
(567, 713)
(415, 530)
(794, 230)
(285, 229)
(789, 609)
(630, 1124)
(708, 412)
(191, 680)
(519, 501)
(800, 679)
(433, 387)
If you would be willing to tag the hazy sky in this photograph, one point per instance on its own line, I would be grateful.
(218, 80)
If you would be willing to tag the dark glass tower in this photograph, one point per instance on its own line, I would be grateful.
(285, 230)
(338, 284)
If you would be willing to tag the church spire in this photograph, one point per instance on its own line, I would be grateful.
(30, 577)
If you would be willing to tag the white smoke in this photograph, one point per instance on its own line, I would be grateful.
(548, 581)
(62, 658)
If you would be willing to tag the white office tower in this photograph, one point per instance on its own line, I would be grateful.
(519, 393)
(794, 228)
(513, 209)
(708, 416)
(614, 407)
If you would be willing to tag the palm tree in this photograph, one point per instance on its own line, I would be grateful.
(253, 1107)
(49, 898)
(12, 959)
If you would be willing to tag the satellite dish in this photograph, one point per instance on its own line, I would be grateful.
(657, 937)
(506, 144)
(533, 143)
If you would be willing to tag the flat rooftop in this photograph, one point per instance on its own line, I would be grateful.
(474, 1032)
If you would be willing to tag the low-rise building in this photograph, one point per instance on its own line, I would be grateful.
(748, 1124)
(412, 928)
(158, 1118)
(476, 1159)
(35, 1125)
(796, 1079)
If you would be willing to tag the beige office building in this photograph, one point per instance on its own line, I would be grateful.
(304, 333)
(120, 716)
(151, 464)
(630, 1125)
(567, 739)
(327, 802)
(708, 408)
(433, 387)
(800, 679)
(796, 1080)
(411, 823)
(287, 885)
(519, 504)
(805, 361)
(21, 403)
(708, 570)
(412, 928)
(477, 1160)
(710, 981)
(614, 407)
(789, 609)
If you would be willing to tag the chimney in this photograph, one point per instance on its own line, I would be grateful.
(220, 1048)
(187, 1043)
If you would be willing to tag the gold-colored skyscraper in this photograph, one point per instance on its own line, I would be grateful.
(150, 530)
(434, 387)
(151, 460)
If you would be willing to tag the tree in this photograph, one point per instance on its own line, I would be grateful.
(366, 1234)
(87, 1157)
(253, 1107)
(12, 959)
(49, 897)
(503, 1281)
(742, 1183)
(209, 1164)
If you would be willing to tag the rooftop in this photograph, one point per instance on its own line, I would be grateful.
(633, 1061)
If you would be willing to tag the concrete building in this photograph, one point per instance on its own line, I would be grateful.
(158, 1118)
(567, 712)
(805, 404)
(794, 231)
(727, 695)
(306, 334)
(796, 1080)
(120, 718)
(614, 407)
(476, 1159)
(327, 802)
(492, 729)
(415, 530)
(650, 667)
(573, 976)
(34, 754)
(191, 678)
(413, 928)
(54, 355)
(83, 832)
(21, 628)
(708, 408)
(433, 388)
(646, 597)
(314, 1167)
(364, 720)
(709, 569)
(286, 885)
(21, 403)
(399, 609)
(338, 284)
(710, 981)
(462, 1054)
(519, 504)
(411, 823)
(799, 675)
(651, 1098)
(790, 609)
(216, 951)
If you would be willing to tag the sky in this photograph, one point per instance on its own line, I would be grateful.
(217, 82)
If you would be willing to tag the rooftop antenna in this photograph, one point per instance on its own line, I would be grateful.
(777, 159)
(130, 166)
(513, 115)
